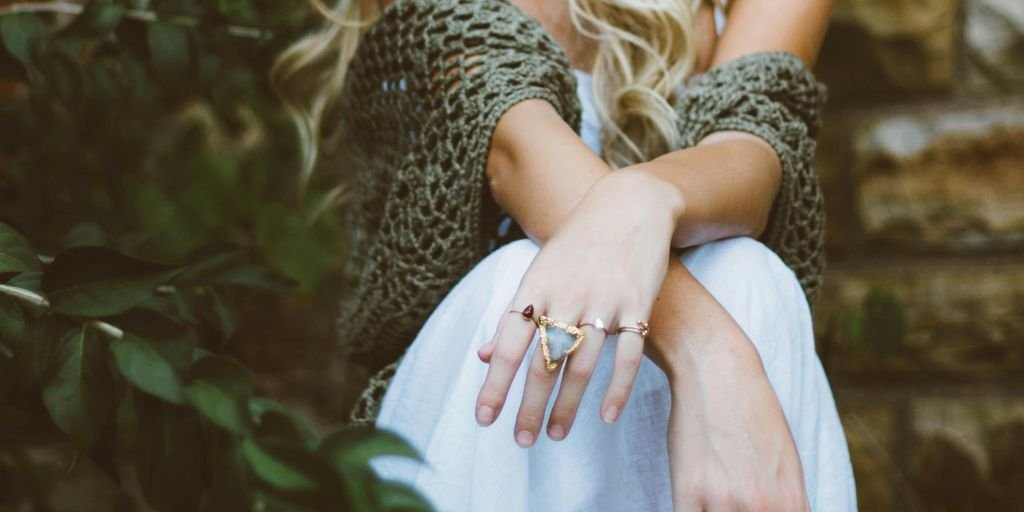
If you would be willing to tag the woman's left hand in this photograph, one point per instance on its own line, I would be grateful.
(605, 265)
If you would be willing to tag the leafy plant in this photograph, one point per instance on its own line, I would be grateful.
(138, 131)
(108, 342)
(879, 326)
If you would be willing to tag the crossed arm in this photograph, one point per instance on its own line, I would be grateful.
(723, 187)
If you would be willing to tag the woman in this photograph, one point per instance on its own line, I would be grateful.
(454, 112)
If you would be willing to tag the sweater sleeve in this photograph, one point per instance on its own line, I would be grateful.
(774, 96)
(424, 92)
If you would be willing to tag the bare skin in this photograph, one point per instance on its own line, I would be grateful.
(730, 448)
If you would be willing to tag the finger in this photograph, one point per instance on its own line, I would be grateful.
(486, 351)
(536, 394)
(575, 379)
(510, 344)
(629, 352)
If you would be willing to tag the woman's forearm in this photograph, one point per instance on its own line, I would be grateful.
(727, 183)
(539, 170)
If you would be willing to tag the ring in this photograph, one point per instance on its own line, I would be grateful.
(641, 328)
(597, 324)
(557, 341)
(526, 313)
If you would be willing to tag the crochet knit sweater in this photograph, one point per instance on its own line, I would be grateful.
(424, 91)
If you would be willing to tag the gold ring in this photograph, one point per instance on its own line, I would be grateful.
(597, 324)
(641, 328)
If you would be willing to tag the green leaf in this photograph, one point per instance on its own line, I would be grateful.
(174, 340)
(282, 466)
(168, 46)
(31, 281)
(354, 447)
(16, 254)
(219, 315)
(885, 322)
(98, 281)
(84, 234)
(239, 11)
(98, 18)
(143, 364)
(229, 485)
(79, 392)
(170, 455)
(398, 496)
(12, 321)
(221, 389)
(274, 421)
(22, 33)
(255, 277)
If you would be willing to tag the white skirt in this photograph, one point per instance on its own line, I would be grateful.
(619, 467)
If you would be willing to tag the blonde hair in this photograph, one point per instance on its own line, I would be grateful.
(645, 50)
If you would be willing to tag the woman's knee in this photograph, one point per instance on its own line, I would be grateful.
(750, 281)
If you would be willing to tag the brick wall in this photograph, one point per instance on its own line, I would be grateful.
(921, 322)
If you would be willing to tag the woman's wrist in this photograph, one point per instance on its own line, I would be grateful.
(647, 190)
(691, 331)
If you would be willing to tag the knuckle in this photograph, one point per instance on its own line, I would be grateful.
(539, 373)
(631, 362)
(529, 419)
(579, 372)
(505, 357)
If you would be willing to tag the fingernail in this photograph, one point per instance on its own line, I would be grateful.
(484, 415)
(611, 413)
(556, 432)
(524, 438)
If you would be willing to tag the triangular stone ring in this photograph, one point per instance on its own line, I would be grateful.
(557, 341)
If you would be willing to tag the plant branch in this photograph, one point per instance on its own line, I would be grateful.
(61, 7)
(109, 330)
(26, 295)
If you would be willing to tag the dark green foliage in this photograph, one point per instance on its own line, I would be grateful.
(879, 326)
(202, 439)
(146, 159)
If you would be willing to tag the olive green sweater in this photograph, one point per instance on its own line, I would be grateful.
(423, 94)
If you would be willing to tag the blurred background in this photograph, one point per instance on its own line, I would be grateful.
(921, 324)
(149, 127)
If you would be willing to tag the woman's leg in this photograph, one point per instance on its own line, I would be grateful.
(622, 466)
(765, 299)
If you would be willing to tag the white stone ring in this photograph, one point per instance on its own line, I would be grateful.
(557, 339)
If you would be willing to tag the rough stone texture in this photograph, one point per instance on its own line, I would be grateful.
(880, 46)
(943, 177)
(964, 317)
(937, 449)
(994, 39)
(869, 432)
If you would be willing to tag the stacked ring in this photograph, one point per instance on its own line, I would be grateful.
(642, 328)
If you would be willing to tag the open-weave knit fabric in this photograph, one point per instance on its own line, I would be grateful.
(423, 94)
(774, 96)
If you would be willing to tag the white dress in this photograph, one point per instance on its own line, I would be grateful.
(621, 467)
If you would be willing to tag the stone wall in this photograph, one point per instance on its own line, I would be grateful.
(921, 322)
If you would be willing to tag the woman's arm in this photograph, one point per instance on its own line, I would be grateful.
(729, 181)
(547, 179)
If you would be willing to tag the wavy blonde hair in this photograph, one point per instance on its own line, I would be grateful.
(645, 50)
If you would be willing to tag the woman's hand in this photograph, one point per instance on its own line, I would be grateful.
(607, 262)
(730, 447)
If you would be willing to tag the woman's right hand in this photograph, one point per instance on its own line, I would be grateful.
(730, 446)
